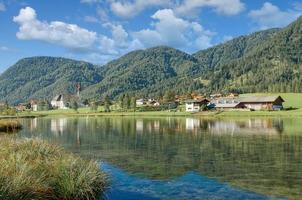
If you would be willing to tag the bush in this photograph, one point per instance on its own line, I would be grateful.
(33, 169)
(10, 126)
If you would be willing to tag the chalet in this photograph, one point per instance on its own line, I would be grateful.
(195, 105)
(21, 107)
(263, 102)
(58, 102)
(153, 102)
(251, 103)
(140, 102)
(34, 105)
(227, 103)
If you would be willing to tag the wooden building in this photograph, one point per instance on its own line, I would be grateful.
(195, 105)
(263, 102)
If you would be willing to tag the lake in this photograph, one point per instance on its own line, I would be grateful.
(185, 158)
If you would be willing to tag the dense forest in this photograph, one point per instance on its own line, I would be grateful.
(265, 61)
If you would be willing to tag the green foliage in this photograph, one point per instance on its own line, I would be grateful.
(133, 103)
(107, 103)
(74, 105)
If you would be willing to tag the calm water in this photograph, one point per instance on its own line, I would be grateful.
(185, 158)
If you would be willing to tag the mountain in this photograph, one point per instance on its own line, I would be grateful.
(265, 61)
(274, 65)
(145, 72)
(44, 77)
(233, 49)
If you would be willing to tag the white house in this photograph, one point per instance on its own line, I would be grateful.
(140, 102)
(195, 105)
(58, 102)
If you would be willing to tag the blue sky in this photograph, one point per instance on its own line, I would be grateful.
(101, 30)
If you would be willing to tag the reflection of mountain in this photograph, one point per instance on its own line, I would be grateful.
(190, 186)
(264, 163)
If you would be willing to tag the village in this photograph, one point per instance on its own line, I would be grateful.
(191, 103)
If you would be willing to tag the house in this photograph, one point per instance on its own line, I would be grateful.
(21, 107)
(252, 103)
(153, 102)
(34, 105)
(140, 102)
(263, 102)
(227, 103)
(58, 102)
(195, 105)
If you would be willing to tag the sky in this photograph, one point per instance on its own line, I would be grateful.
(99, 31)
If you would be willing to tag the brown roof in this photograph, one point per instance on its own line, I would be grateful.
(196, 101)
(260, 99)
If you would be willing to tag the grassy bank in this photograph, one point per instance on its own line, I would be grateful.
(33, 169)
(292, 100)
(11, 125)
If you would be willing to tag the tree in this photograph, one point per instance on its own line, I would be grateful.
(93, 106)
(133, 103)
(121, 101)
(169, 96)
(74, 105)
(107, 103)
(126, 101)
(86, 102)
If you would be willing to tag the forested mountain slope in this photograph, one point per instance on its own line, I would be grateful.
(44, 77)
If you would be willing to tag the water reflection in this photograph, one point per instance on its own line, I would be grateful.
(259, 155)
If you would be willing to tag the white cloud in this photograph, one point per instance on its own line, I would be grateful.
(56, 32)
(176, 32)
(2, 7)
(131, 8)
(270, 16)
(229, 7)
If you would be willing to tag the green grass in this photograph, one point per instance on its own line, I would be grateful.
(9, 125)
(33, 169)
(293, 100)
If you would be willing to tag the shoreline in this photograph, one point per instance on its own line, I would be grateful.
(211, 114)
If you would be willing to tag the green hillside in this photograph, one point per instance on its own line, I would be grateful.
(44, 77)
(273, 66)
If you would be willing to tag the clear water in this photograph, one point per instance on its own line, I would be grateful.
(185, 158)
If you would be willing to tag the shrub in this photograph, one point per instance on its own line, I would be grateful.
(33, 169)
(9, 126)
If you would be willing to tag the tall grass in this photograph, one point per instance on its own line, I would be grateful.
(10, 125)
(34, 169)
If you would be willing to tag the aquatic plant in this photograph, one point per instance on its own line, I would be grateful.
(10, 125)
(34, 169)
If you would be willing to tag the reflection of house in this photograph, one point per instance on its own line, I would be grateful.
(195, 105)
(192, 123)
(58, 126)
(58, 102)
(263, 102)
(139, 125)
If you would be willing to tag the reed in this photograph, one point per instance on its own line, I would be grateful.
(34, 169)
